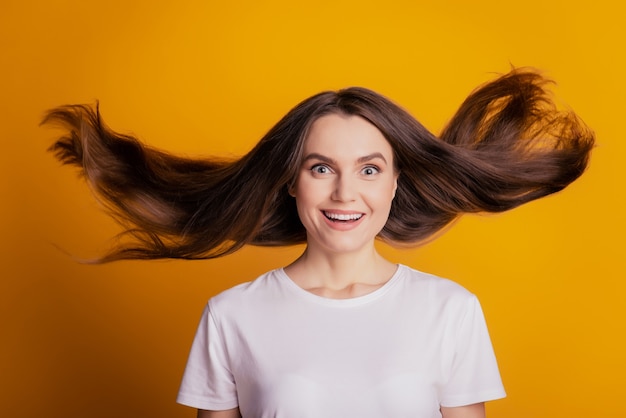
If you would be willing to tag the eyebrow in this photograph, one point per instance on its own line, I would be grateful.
(365, 158)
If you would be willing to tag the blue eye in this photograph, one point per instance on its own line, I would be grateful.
(370, 170)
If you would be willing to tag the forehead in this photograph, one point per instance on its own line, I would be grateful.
(345, 134)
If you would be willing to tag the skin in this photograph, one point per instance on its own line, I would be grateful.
(231, 413)
(476, 410)
(348, 175)
(347, 171)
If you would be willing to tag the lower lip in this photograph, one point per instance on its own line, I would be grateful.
(343, 226)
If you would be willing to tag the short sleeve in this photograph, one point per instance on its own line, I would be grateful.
(207, 382)
(474, 376)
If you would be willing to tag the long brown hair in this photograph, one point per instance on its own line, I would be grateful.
(506, 145)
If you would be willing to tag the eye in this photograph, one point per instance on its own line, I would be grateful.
(320, 169)
(370, 170)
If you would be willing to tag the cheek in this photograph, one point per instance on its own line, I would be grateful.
(309, 191)
(385, 193)
(307, 198)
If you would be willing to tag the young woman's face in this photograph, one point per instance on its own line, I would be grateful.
(346, 183)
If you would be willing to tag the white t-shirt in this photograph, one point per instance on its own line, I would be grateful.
(276, 350)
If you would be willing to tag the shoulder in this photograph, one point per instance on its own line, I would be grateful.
(433, 289)
(440, 302)
(249, 294)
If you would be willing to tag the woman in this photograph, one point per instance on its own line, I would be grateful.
(341, 331)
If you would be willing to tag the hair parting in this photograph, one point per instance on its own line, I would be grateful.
(506, 145)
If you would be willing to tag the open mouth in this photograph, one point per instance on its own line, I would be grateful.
(343, 217)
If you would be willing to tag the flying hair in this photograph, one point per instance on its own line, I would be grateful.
(506, 145)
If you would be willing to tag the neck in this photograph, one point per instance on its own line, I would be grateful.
(340, 275)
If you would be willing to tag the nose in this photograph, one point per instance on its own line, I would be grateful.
(344, 189)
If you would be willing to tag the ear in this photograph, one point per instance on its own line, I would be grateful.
(291, 189)
(395, 185)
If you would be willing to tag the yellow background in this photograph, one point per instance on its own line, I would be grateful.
(206, 77)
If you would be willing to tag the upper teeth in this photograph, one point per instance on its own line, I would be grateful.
(343, 216)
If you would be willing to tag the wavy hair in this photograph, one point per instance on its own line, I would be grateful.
(506, 145)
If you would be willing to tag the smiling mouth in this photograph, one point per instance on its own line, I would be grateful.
(343, 217)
